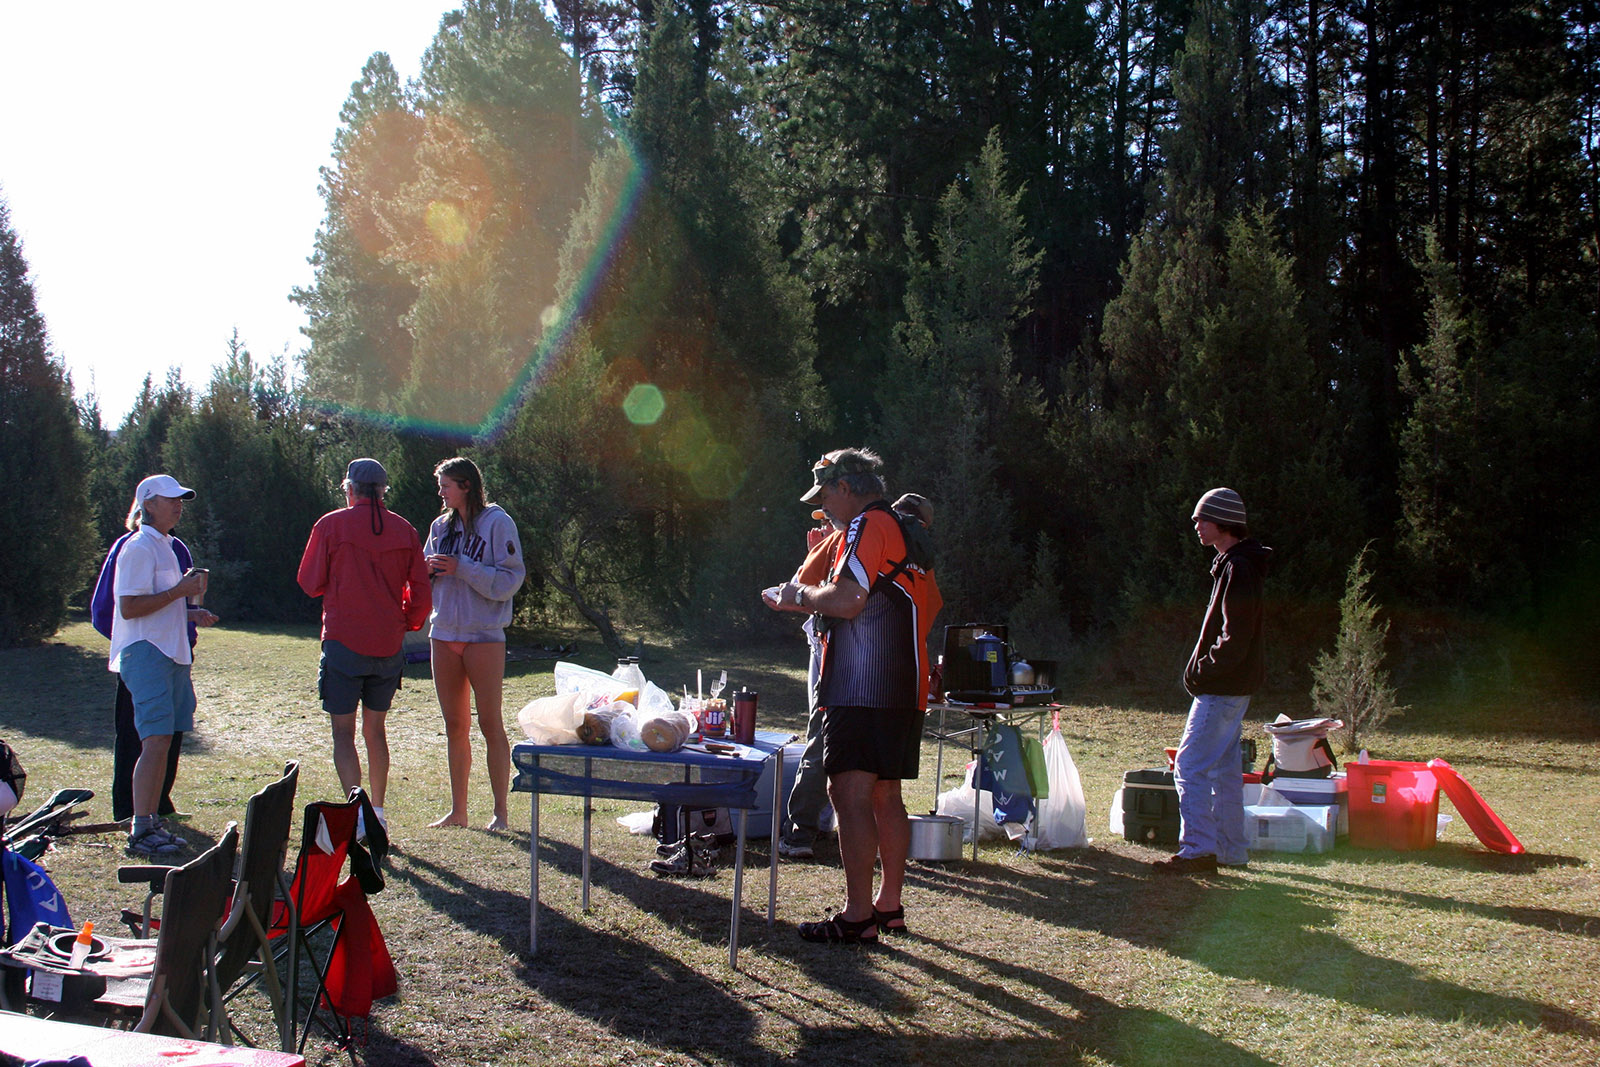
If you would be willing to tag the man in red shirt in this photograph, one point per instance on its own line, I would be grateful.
(873, 686)
(366, 563)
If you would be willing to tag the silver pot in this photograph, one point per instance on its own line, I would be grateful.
(936, 838)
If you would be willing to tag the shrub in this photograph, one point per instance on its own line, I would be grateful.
(1351, 682)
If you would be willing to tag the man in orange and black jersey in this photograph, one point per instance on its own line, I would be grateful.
(873, 687)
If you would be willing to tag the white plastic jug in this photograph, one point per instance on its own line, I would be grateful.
(629, 674)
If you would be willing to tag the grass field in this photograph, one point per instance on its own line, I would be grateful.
(1447, 956)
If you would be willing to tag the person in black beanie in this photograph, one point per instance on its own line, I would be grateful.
(1228, 665)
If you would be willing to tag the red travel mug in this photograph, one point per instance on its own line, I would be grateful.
(744, 716)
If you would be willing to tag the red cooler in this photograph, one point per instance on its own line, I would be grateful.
(1393, 804)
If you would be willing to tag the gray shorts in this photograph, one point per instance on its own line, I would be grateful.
(346, 679)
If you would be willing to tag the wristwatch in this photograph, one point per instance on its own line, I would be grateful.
(799, 593)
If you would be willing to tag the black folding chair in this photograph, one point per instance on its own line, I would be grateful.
(177, 996)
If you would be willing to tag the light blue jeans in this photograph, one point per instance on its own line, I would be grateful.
(1208, 773)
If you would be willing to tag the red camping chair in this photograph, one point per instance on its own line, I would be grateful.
(355, 969)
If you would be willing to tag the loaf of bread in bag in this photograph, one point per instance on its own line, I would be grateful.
(667, 733)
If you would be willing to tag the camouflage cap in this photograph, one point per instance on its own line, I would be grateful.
(835, 465)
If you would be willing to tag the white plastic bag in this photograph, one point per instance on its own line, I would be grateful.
(1060, 821)
(653, 701)
(638, 823)
(1265, 796)
(573, 678)
(625, 732)
(959, 802)
(553, 720)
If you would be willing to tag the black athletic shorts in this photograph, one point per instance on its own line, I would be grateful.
(886, 742)
(346, 679)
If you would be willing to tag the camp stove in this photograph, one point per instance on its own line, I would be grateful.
(1021, 696)
(977, 669)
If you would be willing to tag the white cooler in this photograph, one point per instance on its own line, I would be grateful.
(1290, 828)
(1319, 792)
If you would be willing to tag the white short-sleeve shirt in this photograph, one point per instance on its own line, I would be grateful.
(146, 565)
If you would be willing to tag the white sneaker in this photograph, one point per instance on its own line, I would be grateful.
(795, 851)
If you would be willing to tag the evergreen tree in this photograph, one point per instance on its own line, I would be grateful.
(1443, 540)
(138, 450)
(246, 451)
(1212, 380)
(1350, 683)
(575, 496)
(360, 353)
(953, 357)
(695, 307)
(40, 437)
(505, 148)
(1125, 471)
(1256, 418)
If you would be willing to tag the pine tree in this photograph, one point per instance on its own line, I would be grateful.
(505, 146)
(953, 357)
(1350, 683)
(45, 459)
(1443, 539)
(360, 352)
(693, 302)
(245, 449)
(1255, 417)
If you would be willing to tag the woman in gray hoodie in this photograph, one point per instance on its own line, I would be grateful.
(475, 559)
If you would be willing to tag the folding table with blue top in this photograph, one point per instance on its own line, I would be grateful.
(688, 778)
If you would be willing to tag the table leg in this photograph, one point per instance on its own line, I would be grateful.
(588, 813)
(533, 865)
(977, 792)
(738, 891)
(772, 868)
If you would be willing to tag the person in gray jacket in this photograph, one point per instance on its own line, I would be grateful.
(475, 559)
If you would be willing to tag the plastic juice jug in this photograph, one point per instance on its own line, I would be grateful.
(628, 672)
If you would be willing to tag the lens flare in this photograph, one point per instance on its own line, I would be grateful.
(719, 473)
(644, 405)
(477, 273)
(447, 223)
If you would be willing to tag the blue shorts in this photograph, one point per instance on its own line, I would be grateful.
(163, 692)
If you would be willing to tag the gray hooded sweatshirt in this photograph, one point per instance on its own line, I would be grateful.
(474, 604)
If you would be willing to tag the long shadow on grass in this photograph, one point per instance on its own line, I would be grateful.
(1269, 933)
(699, 908)
(58, 691)
(1577, 923)
(64, 693)
(580, 964)
(1090, 1025)
(381, 1049)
